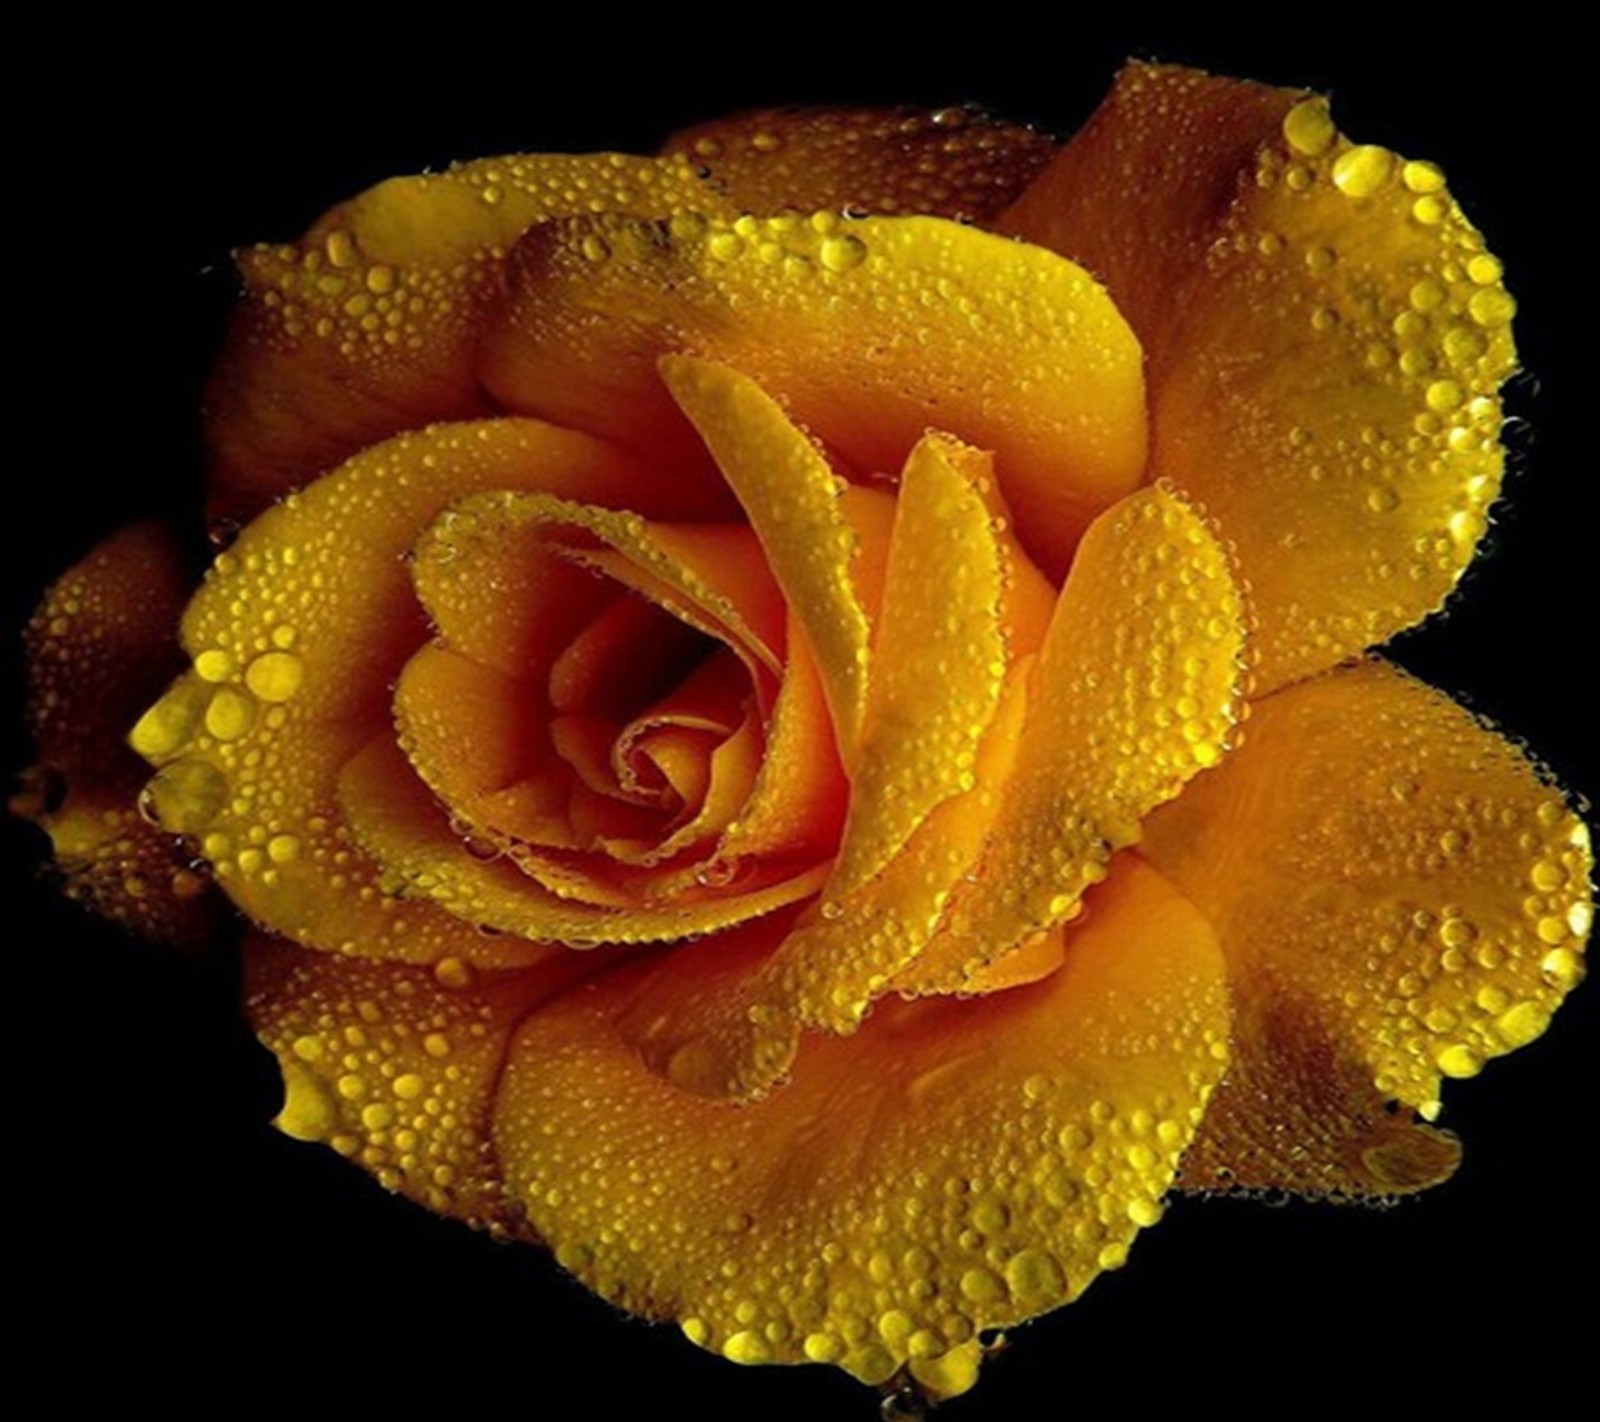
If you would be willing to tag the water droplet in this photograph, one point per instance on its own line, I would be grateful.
(1422, 177)
(842, 253)
(747, 1346)
(215, 665)
(1561, 968)
(1492, 306)
(230, 714)
(982, 1286)
(275, 676)
(409, 1086)
(170, 724)
(1308, 127)
(1361, 171)
(186, 795)
(1521, 1024)
(1459, 1061)
(340, 247)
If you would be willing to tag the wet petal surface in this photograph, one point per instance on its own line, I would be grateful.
(1136, 691)
(951, 1167)
(367, 326)
(296, 637)
(99, 648)
(873, 330)
(1326, 333)
(1400, 897)
(953, 162)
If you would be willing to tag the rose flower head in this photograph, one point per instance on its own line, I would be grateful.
(794, 720)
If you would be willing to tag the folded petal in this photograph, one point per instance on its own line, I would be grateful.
(841, 957)
(1401, 897)
(99, 647)
(792, 498)
(297, 635)
(797, 804)
(953, 1167)
(1136, 691)
(871, 331)
(938, 663)
(367, 325)
(1326, 336)
(953, 162)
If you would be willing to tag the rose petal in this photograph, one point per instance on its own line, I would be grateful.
(297, 635)
(396, 1066)
(952, 162)
(1400, 896)
(1326, 336)
(740, 1040)
(716, 578)
(872, 331)
(398, 823)
(797, 805)
(938, 663)
(792, 498)
(98, 648)
(474, 737)
(955, 1166)
(367, 325)
(1136, 691)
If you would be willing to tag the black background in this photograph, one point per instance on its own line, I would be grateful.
(189, 1251)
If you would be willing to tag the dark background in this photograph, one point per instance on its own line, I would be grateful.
(192, 1252)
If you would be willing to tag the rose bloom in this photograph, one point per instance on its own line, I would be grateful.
(793, 719)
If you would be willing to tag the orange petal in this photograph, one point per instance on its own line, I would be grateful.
(367, 326)
(396, 1066)
(715, 578)
(953, 1167)
(398, 823)
(1326, 337)
(825, 974)
(951, 162)
(938, 663)
(797, 804)
(512, 604)
(792, 498)
(297, 635)
(625, 653)
(99, 648)
(474, 734)
(1136, 691)
(1401, 897)
(869, 331)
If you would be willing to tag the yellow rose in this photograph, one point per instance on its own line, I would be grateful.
(809, 766)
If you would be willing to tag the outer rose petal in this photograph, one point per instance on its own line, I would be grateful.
(872, 330)
(952, 1167)
(1399, 896)
(397, 1066)
(951, 162)
(1326, 337)
(99, 647)
(368, 324)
